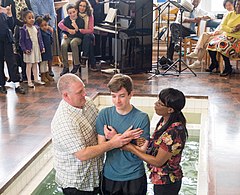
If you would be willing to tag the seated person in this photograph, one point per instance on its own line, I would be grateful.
(204, 39)
(189, 20)
(72, 37)
(85, 11)
(227, 44)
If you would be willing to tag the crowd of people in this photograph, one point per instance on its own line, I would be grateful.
(223, 40)
(31, 26)
(28, 39)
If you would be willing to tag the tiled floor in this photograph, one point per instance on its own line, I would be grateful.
(25, 121)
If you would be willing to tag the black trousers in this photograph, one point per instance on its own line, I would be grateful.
(175, 33)
(88, 49)
(132, 187)
(75, 191)
(19, 55)
(214, 62)
(6, 52)
(167, 189)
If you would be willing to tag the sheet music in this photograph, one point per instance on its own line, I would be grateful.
(111, 15)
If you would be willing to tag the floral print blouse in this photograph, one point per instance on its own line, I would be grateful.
(171, 141)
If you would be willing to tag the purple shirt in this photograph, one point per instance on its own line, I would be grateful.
(25, 40)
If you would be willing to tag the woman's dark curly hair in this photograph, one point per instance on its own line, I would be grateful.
(89, 9)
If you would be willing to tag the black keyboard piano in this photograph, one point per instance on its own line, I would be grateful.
(136, 36)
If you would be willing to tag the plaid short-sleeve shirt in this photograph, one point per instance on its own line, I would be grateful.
(72, 130)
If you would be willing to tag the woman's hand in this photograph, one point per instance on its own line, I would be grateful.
(43, 51)
(140, 141)
(128, 147)
(236, 28)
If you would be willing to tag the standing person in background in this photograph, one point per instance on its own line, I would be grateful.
(42, 8)
(77, 156)
(86, 13)
(98, 11)
(17, 8)
(165, 148)
(32, 46)
(42, 22)
(6, 51)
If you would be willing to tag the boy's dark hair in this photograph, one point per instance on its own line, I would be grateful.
(40, 19)
(120, 81)
(70, 6)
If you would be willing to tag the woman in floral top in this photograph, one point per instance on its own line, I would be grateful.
(166, 145)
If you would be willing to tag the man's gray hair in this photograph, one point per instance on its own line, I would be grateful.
(65, 82)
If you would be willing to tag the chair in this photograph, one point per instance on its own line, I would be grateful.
(190, 41)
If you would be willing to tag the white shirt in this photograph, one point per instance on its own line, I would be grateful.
(197, 12)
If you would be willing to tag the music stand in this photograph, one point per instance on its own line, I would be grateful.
(115, 70)
(157, 72)
(179, 60)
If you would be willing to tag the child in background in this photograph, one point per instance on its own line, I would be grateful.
(42, 22)
(72, 37)
(6, 51)
(32, 46)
